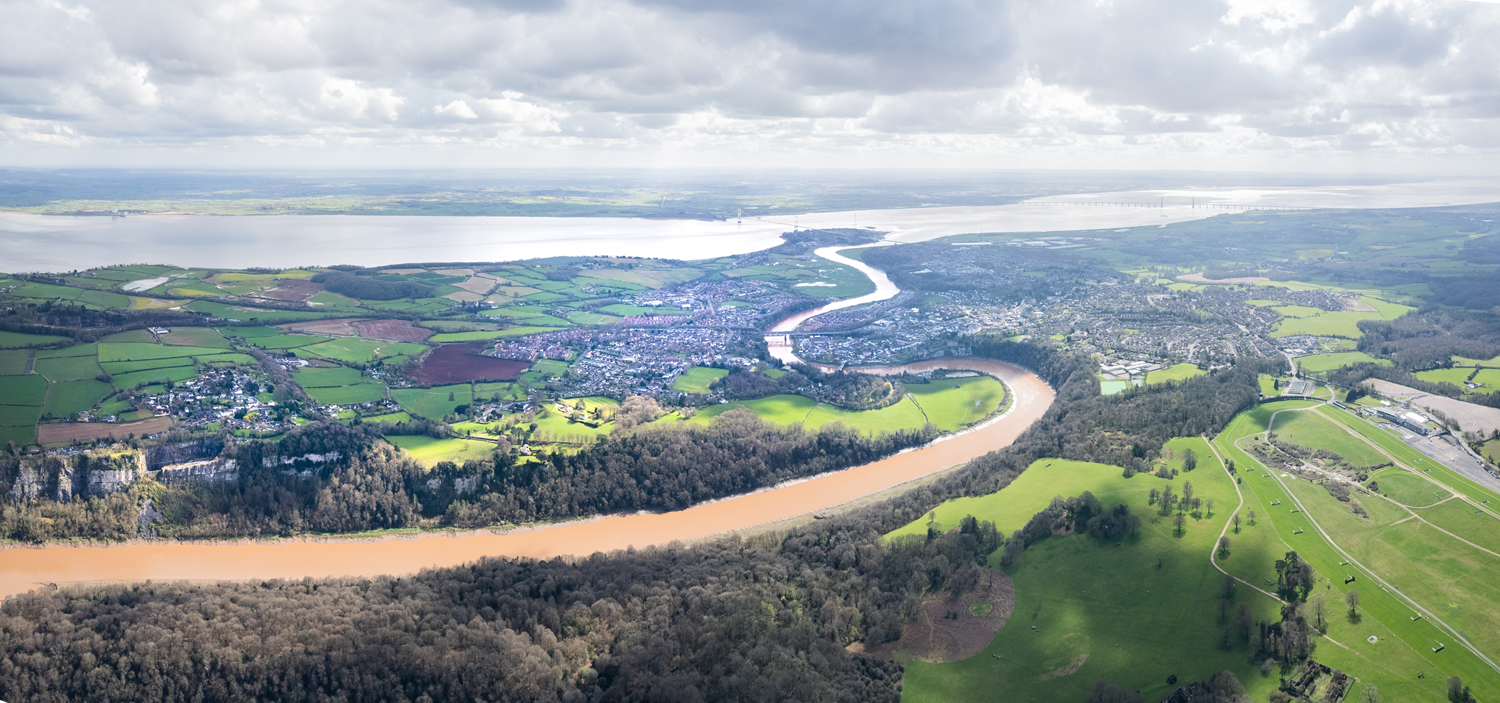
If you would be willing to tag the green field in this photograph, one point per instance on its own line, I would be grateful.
(1131, 613)
(549, 419)
(117, 367)
(428, 451)
(698, 379)
(250, 332)
(347, 395)
(487, 335)
(75, 350)
(13, 361)
(19, 415)
(130, 337)
(1450, 579)
(1314, 431)
(1491, 450)
(284, 341)
(22, 435)
(1328, 362)
(195, 337)
(176, 374)
(950, 404)
(72, 368)
(1175, 372)
(1343, 323)
(13, 340)
(70, 397)
(357, 350)
(783, 409)
(505, 391)
(431, 403)
(143, 352)
(23, 390)
(390, 418)
(327, 378)
(905, 415)
(1488, 379)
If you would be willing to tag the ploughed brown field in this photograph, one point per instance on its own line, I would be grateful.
(292, 289)
(460, 363)
(392, 330)
(62, 432)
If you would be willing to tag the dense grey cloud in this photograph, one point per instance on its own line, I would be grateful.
(929, 82)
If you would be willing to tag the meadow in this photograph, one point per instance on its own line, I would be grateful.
(1175, 372)
(428, 451)
(1423, 563)
(1131, 612)
(432, 403)
(13, 340)
(698, 379)
(1317, 363)
(1488, 379)
(954, 403)
(13, 361)
(357, 350)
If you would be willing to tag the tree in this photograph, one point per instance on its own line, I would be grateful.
(1210, 505)
(1223, 547)
(1189, 460)
(1178, 522)
(1187, 490)
(1371, 694)
(1252, 517)
(1236, 522)
(1319, 610)
(1457, 692)
(1352, 599)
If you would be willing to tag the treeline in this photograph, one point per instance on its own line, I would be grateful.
(669, 467)
(1352, 376)
(360, 287)
(763, 619)
(330, 477)
(1414, 342)
(850, 390)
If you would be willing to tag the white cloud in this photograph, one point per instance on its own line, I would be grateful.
(949, 81)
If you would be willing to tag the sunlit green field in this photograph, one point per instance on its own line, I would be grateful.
(428, 451)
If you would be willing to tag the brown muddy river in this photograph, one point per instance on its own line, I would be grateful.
(24, 569)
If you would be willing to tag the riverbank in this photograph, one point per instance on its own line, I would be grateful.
(25, 569)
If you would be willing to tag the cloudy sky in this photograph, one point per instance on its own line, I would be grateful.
(1296, 85)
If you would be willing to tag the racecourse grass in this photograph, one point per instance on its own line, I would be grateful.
(1308, 429)
(782, 409)
(1468, 522)
(1410, 555)
(1408, 489)
(195, 337)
